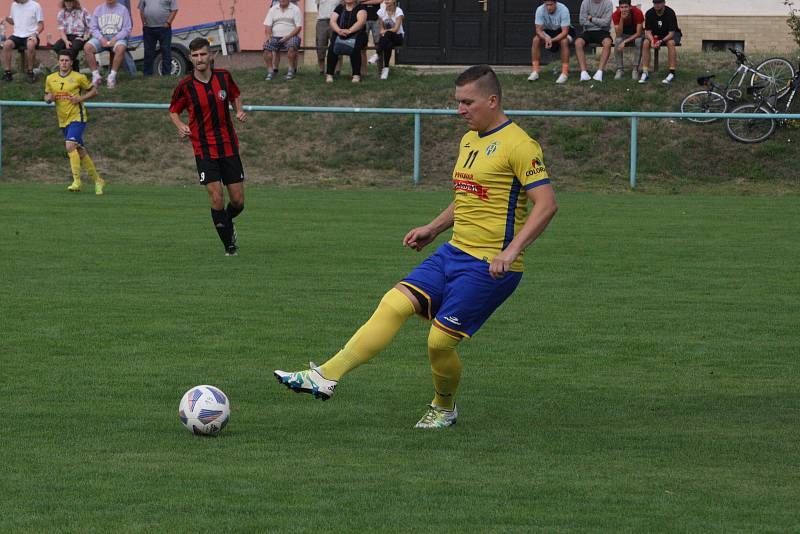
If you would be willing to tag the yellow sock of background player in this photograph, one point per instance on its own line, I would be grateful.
(445, 367)
(90, 168)
(75, 166)
(392, 312)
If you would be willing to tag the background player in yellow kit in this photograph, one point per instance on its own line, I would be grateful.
(499, 169)
(69, 89)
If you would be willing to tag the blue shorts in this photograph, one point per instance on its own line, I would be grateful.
(461, 293)
(74, 132)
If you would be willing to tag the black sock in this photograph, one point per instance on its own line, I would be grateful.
(223, 225)
(233, 211)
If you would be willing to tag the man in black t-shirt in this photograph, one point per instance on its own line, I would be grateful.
(372, 7)
(660, 29)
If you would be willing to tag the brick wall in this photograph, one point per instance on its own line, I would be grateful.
(760, 34)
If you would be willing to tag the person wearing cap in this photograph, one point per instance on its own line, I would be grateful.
(628, 23)
(595, 18)
(553, 33)
(660, 29)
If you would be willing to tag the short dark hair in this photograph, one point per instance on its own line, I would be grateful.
(624, 2)
(485, 77)
(198, 43)
(66, 52)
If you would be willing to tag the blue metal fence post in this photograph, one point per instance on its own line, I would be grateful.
(417, 137)
(634, 148)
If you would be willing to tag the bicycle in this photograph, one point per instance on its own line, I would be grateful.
(776, 73)
(758, 130)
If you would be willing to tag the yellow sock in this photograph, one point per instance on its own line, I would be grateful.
(392, 312)
(75, 165)
(445, 367)
(90, 168)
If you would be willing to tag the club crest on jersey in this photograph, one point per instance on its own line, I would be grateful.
(222, 94)
(491, 148)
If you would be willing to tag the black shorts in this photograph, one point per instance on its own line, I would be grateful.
(595, 37)
(21, 43)
(557, 44)
(228, 170)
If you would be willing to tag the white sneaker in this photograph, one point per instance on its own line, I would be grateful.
(385, 73)
(598, 76)
(310, 381)
(668, 79)
(374, 59)
(437, 417)
(562, 78)
(620, 73)
(585, 76)
(645, 77)
(328, 78)
(533, 77)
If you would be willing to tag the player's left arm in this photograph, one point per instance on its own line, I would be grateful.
(544, 208)
(235, 98)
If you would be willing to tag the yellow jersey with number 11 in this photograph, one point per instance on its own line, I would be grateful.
(62, 88)
(493, 172)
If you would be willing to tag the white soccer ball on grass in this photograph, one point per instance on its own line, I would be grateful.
(205, 410)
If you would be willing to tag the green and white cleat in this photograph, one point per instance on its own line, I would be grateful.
(437, 417)
(310, 381)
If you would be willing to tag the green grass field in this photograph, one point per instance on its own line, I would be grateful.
(643, 377)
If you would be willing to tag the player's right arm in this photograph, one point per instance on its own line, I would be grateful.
(418, 238)
(183, 128)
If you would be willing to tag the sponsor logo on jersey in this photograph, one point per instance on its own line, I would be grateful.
(222, 94)
(474, 188)
(537, 167)
(491, 148)
(466, 146)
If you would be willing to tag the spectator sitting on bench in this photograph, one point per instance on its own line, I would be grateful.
(282, 28)
(28, 21)
(661, 29)
(552, 32)
(110, 26)
(73, 27)
(595, 18)
(628, 22)
(390, 21)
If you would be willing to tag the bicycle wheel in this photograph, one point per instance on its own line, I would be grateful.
(750, 130)
(777, 75)
(703, 102)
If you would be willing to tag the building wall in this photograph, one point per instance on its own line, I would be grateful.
(760, 34)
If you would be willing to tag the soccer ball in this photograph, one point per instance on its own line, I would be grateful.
(205, 410)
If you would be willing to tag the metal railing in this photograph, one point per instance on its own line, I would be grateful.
(633, 116)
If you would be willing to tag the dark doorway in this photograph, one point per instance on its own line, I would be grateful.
(461, 32)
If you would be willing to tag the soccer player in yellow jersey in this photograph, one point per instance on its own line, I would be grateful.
(498, 171)
(69, 90)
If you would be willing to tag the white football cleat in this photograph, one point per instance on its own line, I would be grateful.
(310, 381)
(437, 417)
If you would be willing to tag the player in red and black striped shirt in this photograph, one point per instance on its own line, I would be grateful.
(207, 94)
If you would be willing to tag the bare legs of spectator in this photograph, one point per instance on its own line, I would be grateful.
(8, 51)
(536, 58)
(580, 43)
(672, 54)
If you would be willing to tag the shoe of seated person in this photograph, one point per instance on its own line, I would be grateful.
(533, 76)
(356, 79)
(562, 78)
(585, 76)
